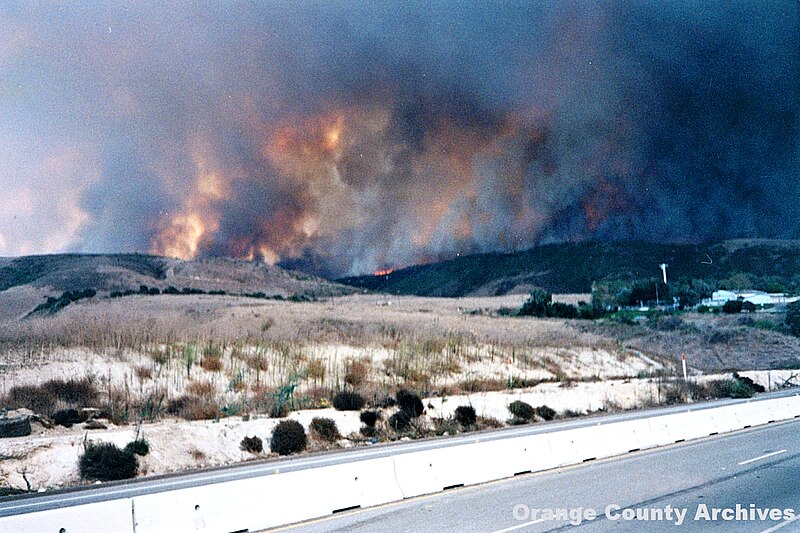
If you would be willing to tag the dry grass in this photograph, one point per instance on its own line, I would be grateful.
(214, 351)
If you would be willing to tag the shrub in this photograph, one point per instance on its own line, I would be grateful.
(369, 431)
(356, 373)
(732, 307)
(251, 444)
(139, 447)
(749, 383)
(465, 415)
(400, 421)
(325, 429)
(193, 408)
(211, 363)
(288, 437)
(106, 462)
(540, 304)
(279, 409)
(537, 304)
(410, 402)
(80, 392)
(748, 307)
(30, 397)
(67, 417)
(793, 318)
(370, 418)
(521, 410)
(562, 310)
(348, 401)
(546, 413)
(445, 426)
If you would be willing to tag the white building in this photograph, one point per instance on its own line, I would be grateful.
(718, 298)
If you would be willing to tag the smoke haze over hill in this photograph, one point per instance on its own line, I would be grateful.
(344, 137)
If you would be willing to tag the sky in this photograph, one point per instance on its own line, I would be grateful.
(345, 137)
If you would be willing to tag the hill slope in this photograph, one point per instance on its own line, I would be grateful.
(25, 281)
(572, 267)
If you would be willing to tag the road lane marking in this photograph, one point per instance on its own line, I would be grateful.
(754, 459)
(520, 526)
(784, 523)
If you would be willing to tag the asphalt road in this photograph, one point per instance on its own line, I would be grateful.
(756, 468)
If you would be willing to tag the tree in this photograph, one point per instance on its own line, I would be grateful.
(537, 303)
(793, 318)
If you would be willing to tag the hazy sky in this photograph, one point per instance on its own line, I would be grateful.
(343, 137)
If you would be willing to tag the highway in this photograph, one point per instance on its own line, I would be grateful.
(498, 515)
(757, 468)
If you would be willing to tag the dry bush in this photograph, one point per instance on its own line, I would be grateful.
(202, 389)
(143, 372)
(81, 392)
(258, 362)
(356, 372)
(315, 370)
(30, 397)
(483, 422)
(193, 408)
(316, 398)
(476, 384)
(211, 363)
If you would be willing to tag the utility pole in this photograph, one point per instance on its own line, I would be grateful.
(664, 270)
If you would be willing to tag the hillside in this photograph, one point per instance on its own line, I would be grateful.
(572, 267)
(26, 281)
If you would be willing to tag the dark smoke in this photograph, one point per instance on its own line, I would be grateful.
(341, 138)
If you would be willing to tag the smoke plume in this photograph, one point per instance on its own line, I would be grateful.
(342, 137)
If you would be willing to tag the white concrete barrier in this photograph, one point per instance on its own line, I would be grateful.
(685, 426)
(268, 501)
(727, 418)
(757, 413)
(415, 473)
(113, 516)
(785, 408)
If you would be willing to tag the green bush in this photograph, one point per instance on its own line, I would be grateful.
(732, 307)
(139, 447)
(288, 437)
(540, 304)
(546, 413)
(793, 318)
(67, 417)
(325, 429)
(400, 421)
(410, 402)
(251, 444)
(279, 409)
(562, 310)
(521, 410)
(465, 415)
(537, 303)
(370, 418)
(348, 401)
(106, 462)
